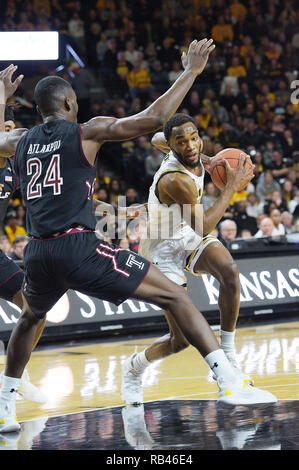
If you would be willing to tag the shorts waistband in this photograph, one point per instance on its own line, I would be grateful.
(68, 231)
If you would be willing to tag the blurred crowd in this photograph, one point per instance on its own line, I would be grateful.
(246, 97)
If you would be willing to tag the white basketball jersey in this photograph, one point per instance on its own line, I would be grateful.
(166, 227)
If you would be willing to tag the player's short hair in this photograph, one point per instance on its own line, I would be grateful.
(49, 91)
(177, 120)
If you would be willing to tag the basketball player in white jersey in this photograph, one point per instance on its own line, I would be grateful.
(179, 184)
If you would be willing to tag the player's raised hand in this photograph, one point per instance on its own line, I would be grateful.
(7, 86)
(197, 55)
(241, 175)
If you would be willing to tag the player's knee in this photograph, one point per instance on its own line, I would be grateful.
(29, 317)
(230, 275)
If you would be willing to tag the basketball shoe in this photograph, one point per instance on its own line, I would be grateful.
(28, 390)
(9, 441)
(240, 392)
(131, 384)
(233, 360)
(8, 420)
(136, 432)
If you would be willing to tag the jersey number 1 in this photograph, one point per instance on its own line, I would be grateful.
(52, 178)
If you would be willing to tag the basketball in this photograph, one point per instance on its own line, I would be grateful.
(218, 169)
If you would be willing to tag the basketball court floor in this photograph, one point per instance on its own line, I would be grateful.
(84, 410)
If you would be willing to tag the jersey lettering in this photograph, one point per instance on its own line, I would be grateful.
(52, 178)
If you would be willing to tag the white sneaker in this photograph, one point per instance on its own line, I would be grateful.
(27, 389)
(136, 432)
(8, 420)
(9, 441)
(233, 360)
(241, 392)
(131, 384)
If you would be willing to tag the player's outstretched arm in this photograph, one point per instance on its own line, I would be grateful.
(101, 129)
(8, 140)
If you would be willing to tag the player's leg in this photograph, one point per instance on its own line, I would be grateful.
(18, 354)
(18, 300)
(216, 260)
(156, 288)
(171, 343)
(11, 280)
(134, 366)
(21, 341)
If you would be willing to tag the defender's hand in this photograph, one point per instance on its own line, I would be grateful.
(197, 55)
(7, 86)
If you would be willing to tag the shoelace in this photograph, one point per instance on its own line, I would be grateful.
(248, 382)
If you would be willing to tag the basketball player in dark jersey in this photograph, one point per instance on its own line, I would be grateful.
(55, 162)
(11, 275)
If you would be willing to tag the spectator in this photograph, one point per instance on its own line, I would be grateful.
(19, 244)
(203, 118)
(287, 221)
(254, 207)
(82, 82)
(210, 195)
(5, 245)
(175, 72)
(266, 185)
(287, 191)
(21, 215)
(222, 33)
(152, 164)
(268, 153)
(275, 216)
(159, 78)
(131, 54)
(12, 228)
(131, 196)
(124, 243)
(242, 219)
(294, 202)
(76, 31)
(219, 111)
(228, 231)
(236, 69)
(115, 190)
(266, 228)
(123, 69)
(102, 195)
(167, 54)
(139, 82)
(253, 136)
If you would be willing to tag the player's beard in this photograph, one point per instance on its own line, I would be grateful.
(186, 163)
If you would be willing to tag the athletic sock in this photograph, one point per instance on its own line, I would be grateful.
(140, 362)
(9, 390)
(228, 341)
(220, 365)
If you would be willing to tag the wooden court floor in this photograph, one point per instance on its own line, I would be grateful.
(84, 380)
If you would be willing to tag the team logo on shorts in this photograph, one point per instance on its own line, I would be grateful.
(132, 260)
